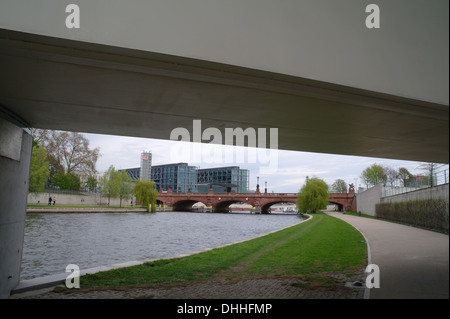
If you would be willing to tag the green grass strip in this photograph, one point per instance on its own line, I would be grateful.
(322, 244)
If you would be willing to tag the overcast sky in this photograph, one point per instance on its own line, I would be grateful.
(288, 177)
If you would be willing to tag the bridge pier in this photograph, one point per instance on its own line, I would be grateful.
(15, 157)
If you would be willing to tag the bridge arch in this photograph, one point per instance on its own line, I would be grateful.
(184, 205)
(224, 205)
(265, 209)
(339, 205)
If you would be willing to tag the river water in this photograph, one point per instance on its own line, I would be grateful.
(52, 241)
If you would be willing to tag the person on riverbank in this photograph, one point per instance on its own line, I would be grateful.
(49, 200)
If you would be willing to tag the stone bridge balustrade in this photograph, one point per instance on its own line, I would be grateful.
(220, 202)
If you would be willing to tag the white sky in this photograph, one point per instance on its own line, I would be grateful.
(292, 167)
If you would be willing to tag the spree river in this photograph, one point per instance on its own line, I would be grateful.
(53, 240)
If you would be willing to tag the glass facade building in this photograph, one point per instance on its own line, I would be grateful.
(223, 179)
(134, 173)
(179, 177)
(182, 178)
(146, 166)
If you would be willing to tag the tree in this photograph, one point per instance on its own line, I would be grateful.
(68, 151)
(125, 185)
(430, 170)
(405, 176)
(146, 194)
(110, 183)
(339, 186)
(66, 181)
(313, 196)
(39, 171)
(374, 174)
(91, 183)
(392, 175)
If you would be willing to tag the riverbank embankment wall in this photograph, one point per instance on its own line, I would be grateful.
(366, 201)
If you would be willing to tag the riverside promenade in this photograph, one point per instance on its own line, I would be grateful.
(413, 262)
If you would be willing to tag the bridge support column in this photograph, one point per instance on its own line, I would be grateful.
(15, 157)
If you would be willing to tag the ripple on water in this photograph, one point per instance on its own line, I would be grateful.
(52, 241)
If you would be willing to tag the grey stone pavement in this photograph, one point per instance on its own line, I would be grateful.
(413, 262)
(267, 288)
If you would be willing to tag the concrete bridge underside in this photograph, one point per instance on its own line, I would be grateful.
(69, 85)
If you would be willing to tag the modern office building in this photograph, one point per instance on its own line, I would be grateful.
(179, 177)
(134, 173)
(146, 166)
(223, 179)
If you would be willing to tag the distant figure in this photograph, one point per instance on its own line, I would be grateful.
(54, 201)
(50, 200)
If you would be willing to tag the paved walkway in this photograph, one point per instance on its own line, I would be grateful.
(413, 263)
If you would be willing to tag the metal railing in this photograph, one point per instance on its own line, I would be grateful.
(439, 178)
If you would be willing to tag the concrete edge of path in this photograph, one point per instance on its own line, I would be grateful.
(369, 255)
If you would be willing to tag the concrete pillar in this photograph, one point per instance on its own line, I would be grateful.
(15, 157)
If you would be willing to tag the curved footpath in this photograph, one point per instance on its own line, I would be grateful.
(413, 262)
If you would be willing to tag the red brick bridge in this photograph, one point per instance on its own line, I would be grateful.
(220, 202)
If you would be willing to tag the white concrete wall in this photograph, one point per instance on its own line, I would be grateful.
(366, 201)
(325, 40)
(93, 199)
(440, 191)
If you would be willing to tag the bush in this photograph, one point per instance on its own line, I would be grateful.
(428, 213)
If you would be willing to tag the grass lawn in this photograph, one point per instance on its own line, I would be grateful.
(323, 244)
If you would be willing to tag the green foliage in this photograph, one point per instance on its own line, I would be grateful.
(91, 184)
(313, 196)
(39, 171)
(405, 176)
(374, 174)
(146, 194)
(116, 184)
(66, 181)
(125, 185)
(339, 186)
